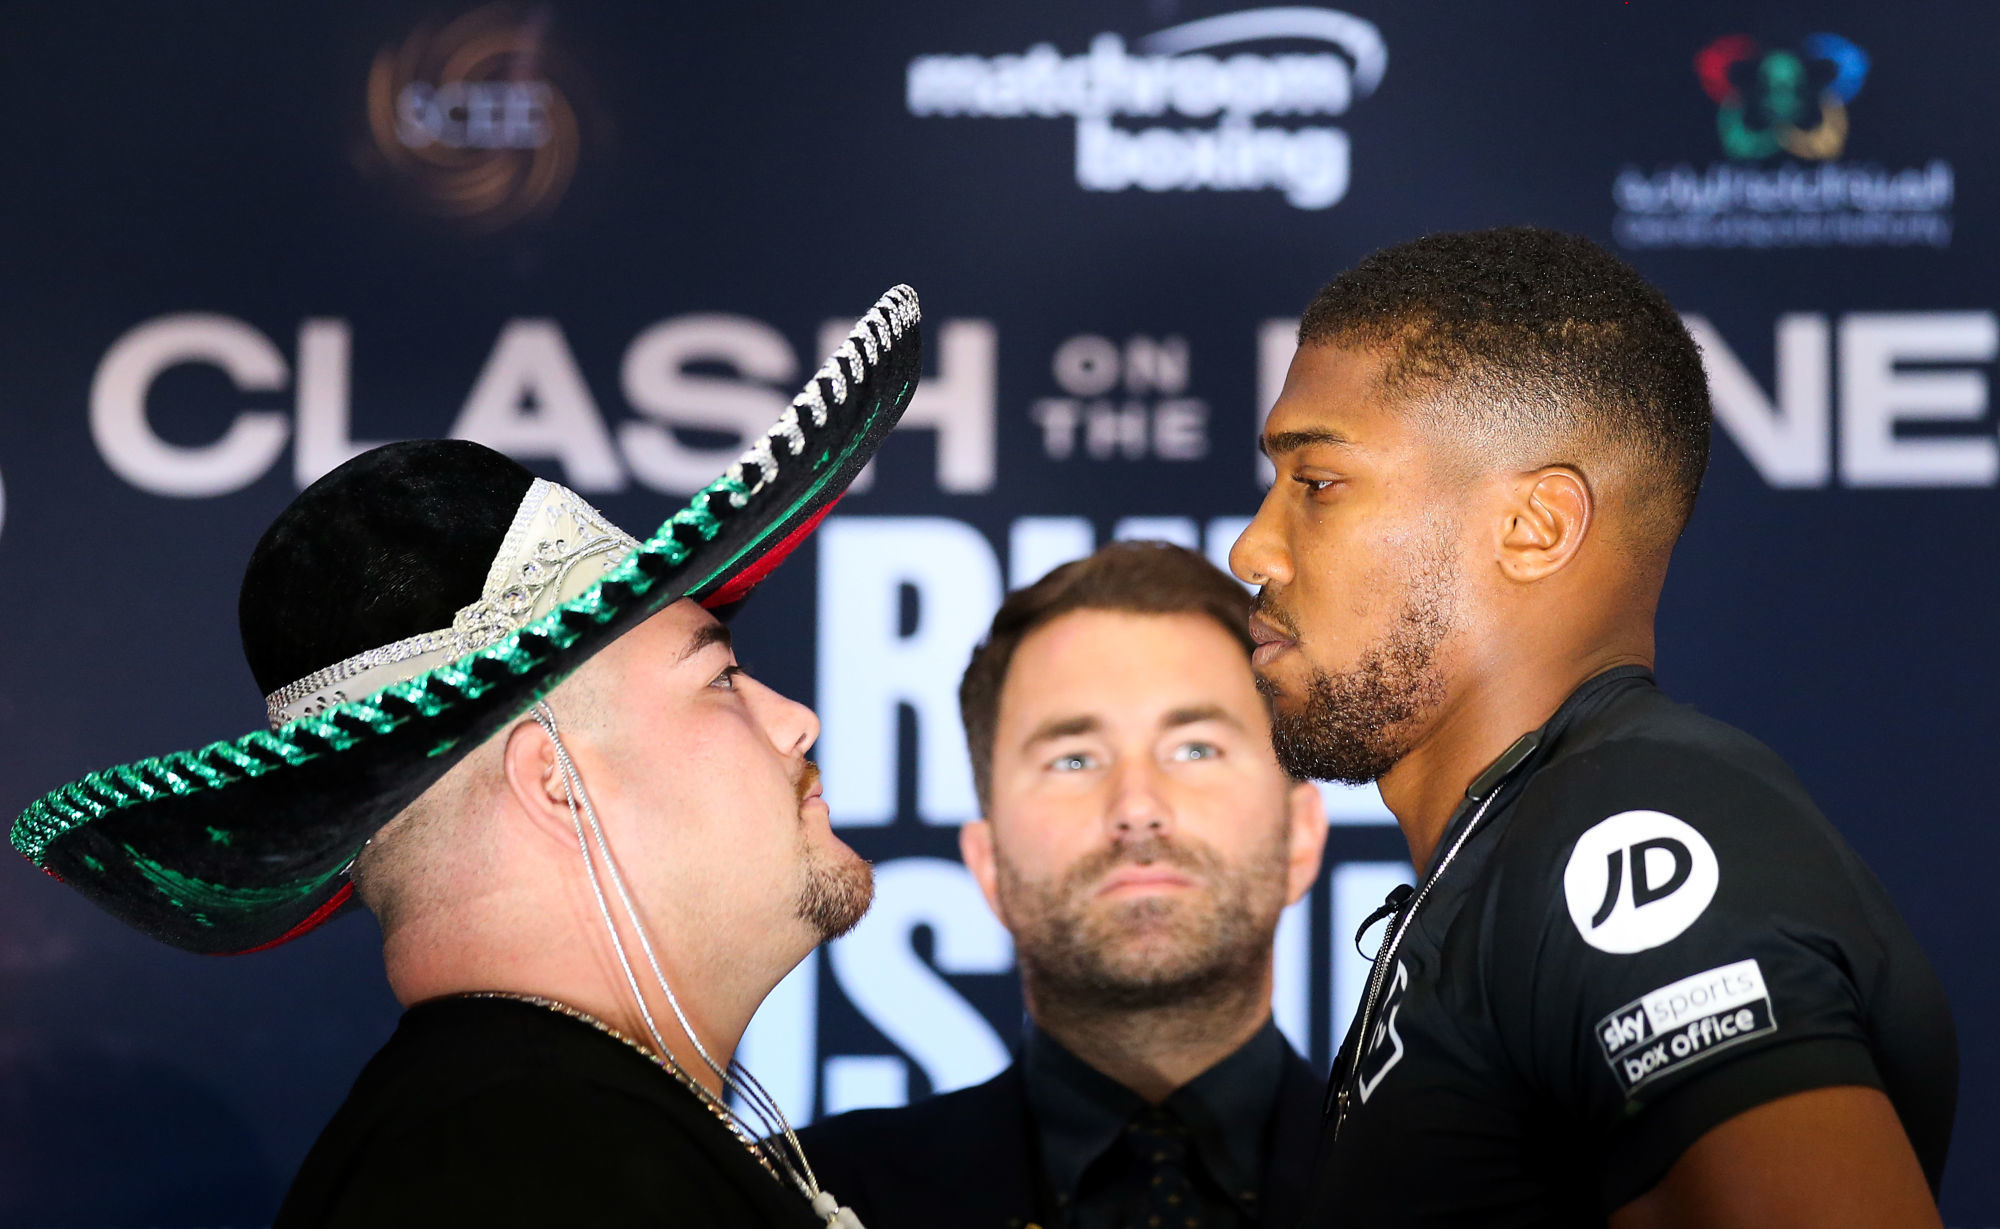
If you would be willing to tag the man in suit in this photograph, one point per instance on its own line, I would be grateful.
(1139, 842)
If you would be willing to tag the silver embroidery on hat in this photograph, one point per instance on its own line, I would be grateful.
(556, 547)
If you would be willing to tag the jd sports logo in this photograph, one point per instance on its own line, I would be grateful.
(1643, 892)
(1637, 880)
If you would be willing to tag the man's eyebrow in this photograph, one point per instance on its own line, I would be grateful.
(1292, 441)
(1063, 727)
(1200, 712)
(713, 633)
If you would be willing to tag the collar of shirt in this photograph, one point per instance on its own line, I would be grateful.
(1079, 1110)
(1514, 770)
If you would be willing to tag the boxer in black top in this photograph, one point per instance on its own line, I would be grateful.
(1640, 980)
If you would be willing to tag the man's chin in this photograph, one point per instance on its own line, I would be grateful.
(1284, 702)
(839, 888)
(1150, 932)
(1285, 680)
(1142, 975)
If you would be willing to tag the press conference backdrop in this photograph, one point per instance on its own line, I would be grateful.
(245, 241)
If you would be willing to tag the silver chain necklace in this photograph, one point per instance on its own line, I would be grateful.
(779, 1146)
(664, 1062)
(1385, 958)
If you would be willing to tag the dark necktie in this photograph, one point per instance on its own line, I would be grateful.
(1159, 1143)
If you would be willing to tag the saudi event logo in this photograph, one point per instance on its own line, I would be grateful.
(1782, 101)
(1786, 180)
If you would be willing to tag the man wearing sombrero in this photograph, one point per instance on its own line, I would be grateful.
(520, 738)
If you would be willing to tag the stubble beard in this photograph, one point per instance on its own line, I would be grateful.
(1082, 957)
(1356, 725)
(834, 894)
(836, 885)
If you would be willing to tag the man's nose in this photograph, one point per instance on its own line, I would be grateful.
(1259, 556)
(1139, 808)
(791, 726)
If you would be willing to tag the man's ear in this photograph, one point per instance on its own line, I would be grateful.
(975, 847)
(1306, 843)
(535, 782)
(1548, 513)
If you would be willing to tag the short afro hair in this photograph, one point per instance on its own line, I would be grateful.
(1539, 348)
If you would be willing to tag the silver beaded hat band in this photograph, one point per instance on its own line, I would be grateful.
(557, 547)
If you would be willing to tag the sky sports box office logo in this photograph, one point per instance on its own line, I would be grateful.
(1782, 118)
(1190, 108)
(1685, 1022)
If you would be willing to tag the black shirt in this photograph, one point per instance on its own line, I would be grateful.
(973, 1158)
(1636, 927)
(1082, 1117)
(496, 1112)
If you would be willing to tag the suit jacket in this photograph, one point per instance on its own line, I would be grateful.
(971, 1159)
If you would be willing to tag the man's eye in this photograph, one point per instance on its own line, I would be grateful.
(727, 679)
(1315, 485)
(1078, 761)
(1197, 751)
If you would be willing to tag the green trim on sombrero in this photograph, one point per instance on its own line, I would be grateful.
(193, 896)
(353, 723)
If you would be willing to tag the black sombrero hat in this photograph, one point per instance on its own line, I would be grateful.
(245, 844)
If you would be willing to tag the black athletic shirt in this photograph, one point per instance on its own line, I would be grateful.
(1636, 927)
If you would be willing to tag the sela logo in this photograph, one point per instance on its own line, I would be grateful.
(1183, 70)
(1384, 1045)
(1789, 106)
(1637, 880)
(1686, 1021)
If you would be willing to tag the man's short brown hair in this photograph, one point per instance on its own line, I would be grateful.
(1130, 577)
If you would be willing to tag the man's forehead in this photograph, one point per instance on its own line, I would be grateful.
(1332, 397)
(1193, 710)
(712, 632)
(678, 632)
(1126, 670)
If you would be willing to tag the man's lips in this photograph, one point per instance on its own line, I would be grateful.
(1271, 642)
(1143, 879)
(808, 786)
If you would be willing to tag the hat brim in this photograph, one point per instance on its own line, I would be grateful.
(245, 844)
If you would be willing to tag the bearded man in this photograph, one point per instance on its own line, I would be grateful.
(1641, 980)
(519, 736)
(1139, 842)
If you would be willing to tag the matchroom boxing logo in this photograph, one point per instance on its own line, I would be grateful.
(1200, 70)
